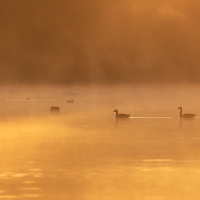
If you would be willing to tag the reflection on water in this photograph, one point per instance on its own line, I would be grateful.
(85, 153)
(52, 157)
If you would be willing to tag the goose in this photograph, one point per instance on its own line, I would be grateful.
(70, 101)
(120, 115)
(54, 109)
(186, 115)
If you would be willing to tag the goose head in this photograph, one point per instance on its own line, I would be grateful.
(115, 110)
(180, 107)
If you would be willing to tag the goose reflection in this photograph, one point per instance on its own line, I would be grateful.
(122, 121)
(180, 123)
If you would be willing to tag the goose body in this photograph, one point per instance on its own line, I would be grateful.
(186, 115)
(70, 101)
(121, 115)
(54, 109)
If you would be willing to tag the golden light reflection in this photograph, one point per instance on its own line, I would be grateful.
(82, 154)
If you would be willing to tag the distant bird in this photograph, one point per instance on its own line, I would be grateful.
(54, 109)
(120, 115)
(186, 115)
(70, 101)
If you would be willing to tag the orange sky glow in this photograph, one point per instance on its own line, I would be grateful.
(106, 42)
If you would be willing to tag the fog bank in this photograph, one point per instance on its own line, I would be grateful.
(106, 42)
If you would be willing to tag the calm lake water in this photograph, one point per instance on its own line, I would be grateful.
(84, 153)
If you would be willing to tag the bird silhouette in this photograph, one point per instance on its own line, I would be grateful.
(186, 115)
(121, 115)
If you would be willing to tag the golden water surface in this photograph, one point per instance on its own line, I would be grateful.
(83, 153)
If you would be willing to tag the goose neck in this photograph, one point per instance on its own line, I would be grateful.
(180, 112)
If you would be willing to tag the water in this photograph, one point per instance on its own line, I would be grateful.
(84, 153)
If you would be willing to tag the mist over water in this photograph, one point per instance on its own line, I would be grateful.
(89, 58)
(71, 42)
(83, 152)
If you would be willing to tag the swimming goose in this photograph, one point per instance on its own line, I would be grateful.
(121, 115)
(54, 109)
(186, 115)
(70, 101)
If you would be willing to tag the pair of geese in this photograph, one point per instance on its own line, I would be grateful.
(186, 115)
